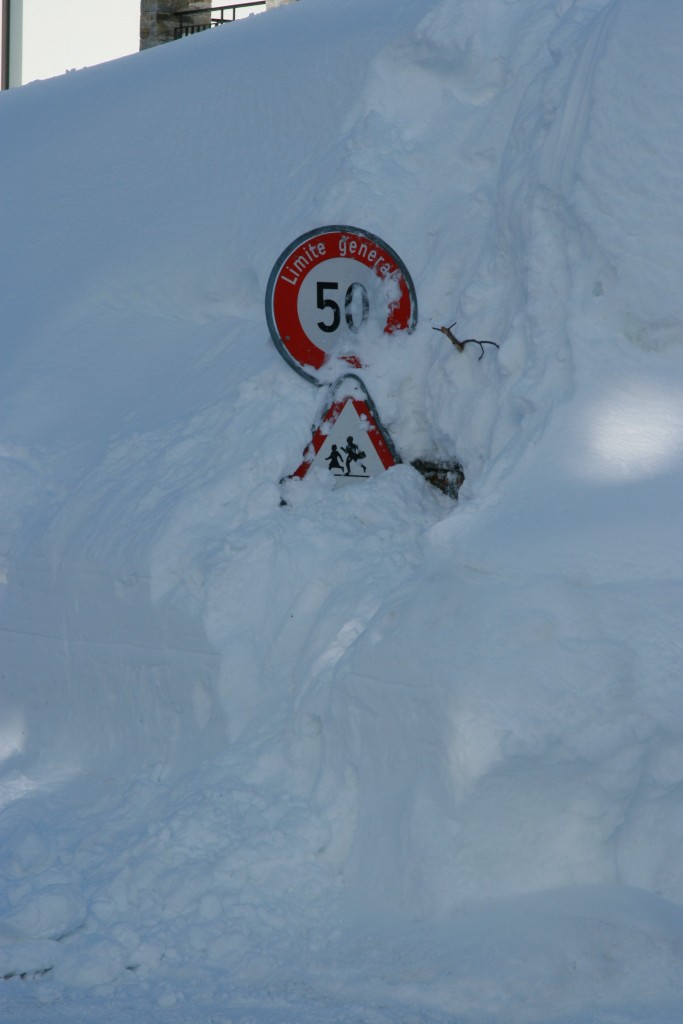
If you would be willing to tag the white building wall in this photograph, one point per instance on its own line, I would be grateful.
(49, 37)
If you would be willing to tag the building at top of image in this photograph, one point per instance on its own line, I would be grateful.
(43, 38)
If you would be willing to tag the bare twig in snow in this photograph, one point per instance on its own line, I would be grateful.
(448, 331)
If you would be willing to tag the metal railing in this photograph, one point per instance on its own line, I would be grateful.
(201, 18)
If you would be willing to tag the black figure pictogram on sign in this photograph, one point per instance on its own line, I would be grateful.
(353, 454)
(335, 460)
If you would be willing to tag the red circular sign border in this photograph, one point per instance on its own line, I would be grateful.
(291, 269)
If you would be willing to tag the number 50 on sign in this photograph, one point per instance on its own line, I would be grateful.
(325, 287)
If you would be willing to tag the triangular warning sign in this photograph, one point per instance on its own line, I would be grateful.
(349, 442)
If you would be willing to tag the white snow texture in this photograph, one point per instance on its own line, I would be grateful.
(373, 756)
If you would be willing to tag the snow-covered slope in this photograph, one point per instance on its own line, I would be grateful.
(373, 756)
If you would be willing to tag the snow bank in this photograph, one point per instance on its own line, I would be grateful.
(371, 755)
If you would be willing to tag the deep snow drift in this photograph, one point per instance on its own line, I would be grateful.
(373, 756)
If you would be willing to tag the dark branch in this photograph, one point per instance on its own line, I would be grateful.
(448, 331)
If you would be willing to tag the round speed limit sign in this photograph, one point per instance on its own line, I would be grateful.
(325, 287)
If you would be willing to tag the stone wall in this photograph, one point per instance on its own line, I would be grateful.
(157, 21)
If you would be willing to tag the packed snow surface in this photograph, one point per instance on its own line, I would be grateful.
(372, 756)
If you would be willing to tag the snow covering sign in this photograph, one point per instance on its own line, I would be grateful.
(387, 759)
